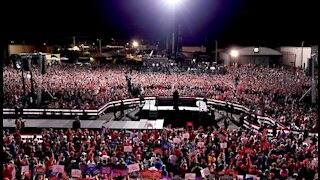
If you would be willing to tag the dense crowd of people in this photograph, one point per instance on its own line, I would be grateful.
(173, 153)
(267, 91)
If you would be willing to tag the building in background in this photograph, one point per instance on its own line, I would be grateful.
(251, 55)
(295, 56)
(28, 48)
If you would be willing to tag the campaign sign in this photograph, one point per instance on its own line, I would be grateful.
(190, 176)
(201, 144)
(58, 168)
(24, 169)
(186, 136)
(157, 150)
(176, 140)
(205, 172)
(105, 169)
(248, 176)
(76, 173)
(223, 145)
(119, 173)
(127, 148)
(133, 167)
(40, 170)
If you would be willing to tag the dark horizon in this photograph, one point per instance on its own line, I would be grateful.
(244, 22)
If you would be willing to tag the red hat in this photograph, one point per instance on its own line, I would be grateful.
(103, 153)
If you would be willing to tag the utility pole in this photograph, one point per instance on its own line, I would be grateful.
(216, 52)
(302, 44)
(167, 43)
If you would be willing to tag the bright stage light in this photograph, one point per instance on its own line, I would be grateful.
(135, 44)
(234, 53)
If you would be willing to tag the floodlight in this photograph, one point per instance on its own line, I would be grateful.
(135, 44)
(234, 53)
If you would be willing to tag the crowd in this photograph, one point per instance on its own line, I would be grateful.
(171, 153)
(267, 91)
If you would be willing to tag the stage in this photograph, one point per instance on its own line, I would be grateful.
(155, 105)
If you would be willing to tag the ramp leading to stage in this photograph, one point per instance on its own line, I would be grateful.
(142, 124)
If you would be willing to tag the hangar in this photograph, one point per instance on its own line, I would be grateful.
(251, 55)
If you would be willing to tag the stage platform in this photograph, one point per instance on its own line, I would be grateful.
(150, 105)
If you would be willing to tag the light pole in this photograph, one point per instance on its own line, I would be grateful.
(100, 50)
(135, 44)
(216, 51)
(302, 44)
(234, 54)
(173, 4)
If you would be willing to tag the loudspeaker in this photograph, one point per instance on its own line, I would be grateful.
(26, 64)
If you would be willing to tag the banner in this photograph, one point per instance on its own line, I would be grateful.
(190, 176)
(76, 173)
(127, 148)
(58, 168)
(133, 167)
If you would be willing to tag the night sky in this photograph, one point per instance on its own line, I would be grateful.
(269, 23)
